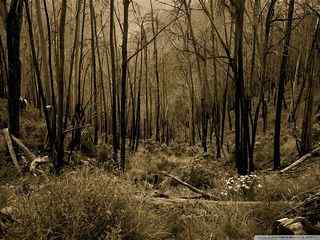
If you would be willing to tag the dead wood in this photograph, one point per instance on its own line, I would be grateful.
(11, 150)
(32, 158)
(300, 160)
(160, 201)
(204, 194)
(29, 155)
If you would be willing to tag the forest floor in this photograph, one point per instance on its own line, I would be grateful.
(88, 201)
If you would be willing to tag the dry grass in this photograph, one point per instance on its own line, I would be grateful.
(84, 205)
(206, 221)
(93, 204)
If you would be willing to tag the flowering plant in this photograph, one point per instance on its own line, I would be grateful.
(242, 186)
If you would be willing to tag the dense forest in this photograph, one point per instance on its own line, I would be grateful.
(159, 119)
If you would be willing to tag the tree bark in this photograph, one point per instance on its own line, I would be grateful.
(306, 138)
(282, 79)
(58, 160)
(124, 70)
(13, 31)
(114, 84)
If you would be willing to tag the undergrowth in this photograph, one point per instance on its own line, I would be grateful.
(84, 205)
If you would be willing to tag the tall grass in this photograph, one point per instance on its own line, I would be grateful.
(85, 205)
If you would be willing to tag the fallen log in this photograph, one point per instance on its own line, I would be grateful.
(162, 201)
(300, 160)
(204, 194)
(11, 150)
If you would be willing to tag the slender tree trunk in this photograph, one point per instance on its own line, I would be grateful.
(123, 123)
(114, 84)
(154, 22)
(43, 49)
(52, 87)
(282, 79)
(306, 138)
(3, 70)
(94, 75)
(147, 117)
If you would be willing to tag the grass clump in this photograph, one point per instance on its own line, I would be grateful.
(84, 205)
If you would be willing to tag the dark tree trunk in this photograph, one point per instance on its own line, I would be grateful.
(114, 84)
(241, 106)
(94, 74)
(3, 70)
(13, 30)
(59, 161)
(282, 79)
(123, 122)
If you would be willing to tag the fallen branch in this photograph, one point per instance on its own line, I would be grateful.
(35, 161)
(300, 160)
(29, 155)
(11, 150)
(205, 195)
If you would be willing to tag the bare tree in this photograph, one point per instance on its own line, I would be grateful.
(114, 84)
(124, 71)
(13, 31)
(306, 138)
(282, 79)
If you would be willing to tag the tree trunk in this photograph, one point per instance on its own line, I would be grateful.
(114, 84)
(306, 138)
(123, 122)
(13, 30)
(58, 161)
(282, 79)
(154, 23)
(94, 75)
(241, 104)
(43, 50)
